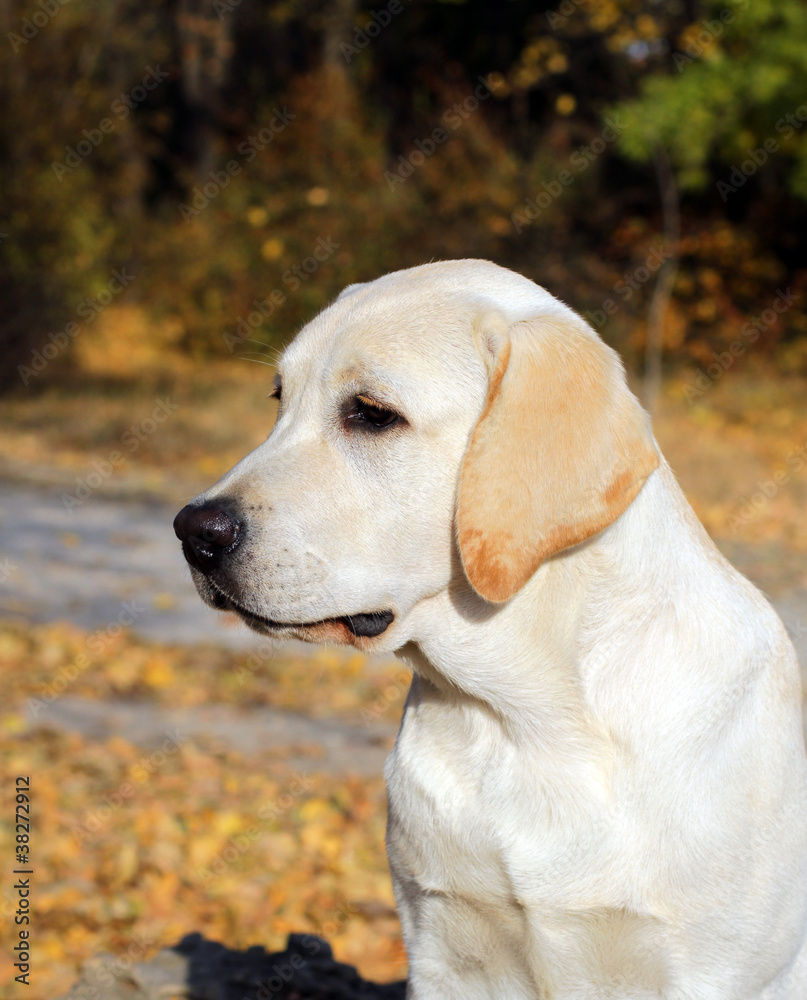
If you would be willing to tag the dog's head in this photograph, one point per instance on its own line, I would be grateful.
(454, 408)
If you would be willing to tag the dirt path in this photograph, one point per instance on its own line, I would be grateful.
(108, 555)
(329, 745)
(98, 561)
(112, 557)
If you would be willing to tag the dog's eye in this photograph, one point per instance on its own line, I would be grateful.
(275, 393)
(370, 414)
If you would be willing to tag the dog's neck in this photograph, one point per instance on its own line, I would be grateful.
(531, 663)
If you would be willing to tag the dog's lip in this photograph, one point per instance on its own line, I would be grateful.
(378, 621)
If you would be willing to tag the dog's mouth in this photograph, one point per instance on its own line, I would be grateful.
(366, 625)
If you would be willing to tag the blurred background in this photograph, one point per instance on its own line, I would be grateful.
(182, 186)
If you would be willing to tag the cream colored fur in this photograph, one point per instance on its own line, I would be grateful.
(598, 788)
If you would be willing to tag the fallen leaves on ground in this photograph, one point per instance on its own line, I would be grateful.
(43, 661)
(131, 849)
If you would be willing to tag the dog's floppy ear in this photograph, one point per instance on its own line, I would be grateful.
(560, 450)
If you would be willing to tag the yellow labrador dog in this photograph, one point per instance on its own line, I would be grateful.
(598, 788)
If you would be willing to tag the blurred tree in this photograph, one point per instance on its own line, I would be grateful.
(735, 89)
(346, 95)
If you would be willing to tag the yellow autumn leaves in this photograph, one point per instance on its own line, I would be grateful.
(135, 846)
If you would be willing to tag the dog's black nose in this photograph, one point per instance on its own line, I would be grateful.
(205, 533)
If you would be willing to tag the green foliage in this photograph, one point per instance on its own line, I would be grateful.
(735, 76)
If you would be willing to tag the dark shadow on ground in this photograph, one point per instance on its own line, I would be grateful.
(199, 969)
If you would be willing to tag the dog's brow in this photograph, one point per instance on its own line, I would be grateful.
(366, 377)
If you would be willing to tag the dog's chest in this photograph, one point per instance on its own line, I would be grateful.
(485, 846)
(471, 815)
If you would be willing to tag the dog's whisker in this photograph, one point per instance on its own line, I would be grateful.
(254, 360)
(269, 352)
(273, 350)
